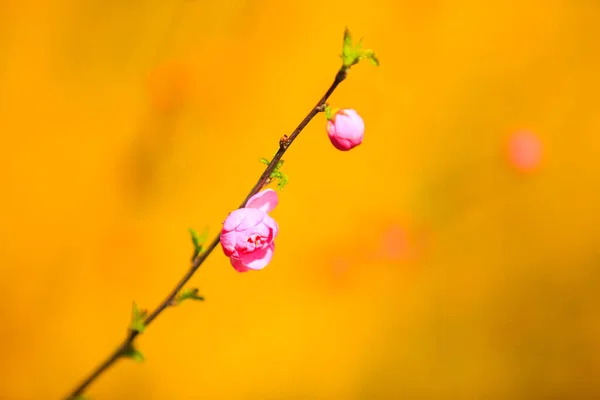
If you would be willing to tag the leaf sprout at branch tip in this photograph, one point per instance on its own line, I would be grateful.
(353, 53)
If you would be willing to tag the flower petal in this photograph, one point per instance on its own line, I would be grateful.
(238, 265)
(265, 200)
(228, 240)
(350, 125)
(273, 226)
(252, 217)
(233, 220)
(242, 243)
(257, 259)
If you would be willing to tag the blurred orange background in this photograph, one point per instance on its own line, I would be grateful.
(421, 264)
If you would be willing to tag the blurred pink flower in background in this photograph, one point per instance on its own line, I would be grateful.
(346, 129)
(525, 151)
(394, 244)
(342, 270)
(248, 233)
(398, 245)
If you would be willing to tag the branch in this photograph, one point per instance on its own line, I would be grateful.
(127, 343)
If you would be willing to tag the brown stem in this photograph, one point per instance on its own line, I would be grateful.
(197, 262)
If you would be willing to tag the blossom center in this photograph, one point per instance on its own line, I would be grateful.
(256, 239)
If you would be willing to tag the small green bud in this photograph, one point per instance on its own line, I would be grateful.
(137, 319)
(198, 241)
(190, 293)
(352, 54)
(133, 353)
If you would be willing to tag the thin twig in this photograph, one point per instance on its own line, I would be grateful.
(284, 144)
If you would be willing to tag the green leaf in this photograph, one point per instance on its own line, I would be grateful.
(137, 319)
(328, 112)
(352, 54)
(358, 45)
(275, 175)
(370, 55)
(195, 238)
(198, 240)
(133, 353)
(283, 181)
(347, 38)
(349, 54)
(190, 293)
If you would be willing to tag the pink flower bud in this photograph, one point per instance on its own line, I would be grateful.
(248, 233)
(525, 151)
(346, 129)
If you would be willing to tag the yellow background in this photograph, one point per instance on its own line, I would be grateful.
(419, 265)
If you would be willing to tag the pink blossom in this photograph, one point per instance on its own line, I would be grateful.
(346, 129)
(248, 233)
(525, 151)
